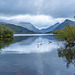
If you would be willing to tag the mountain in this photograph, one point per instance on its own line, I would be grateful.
(16, 29)
(29, 26)
(58, 26)
(64, 24)
(50, 29)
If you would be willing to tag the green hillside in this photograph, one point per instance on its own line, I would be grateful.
(17, 29)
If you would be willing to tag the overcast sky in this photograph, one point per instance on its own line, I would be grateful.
(41, 13)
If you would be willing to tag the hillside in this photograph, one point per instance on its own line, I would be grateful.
(64, 24)
(61, 26)
(29, 26)
(50, 29)
(17, 29)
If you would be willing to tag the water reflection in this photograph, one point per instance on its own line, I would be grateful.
(5, 42)
(68, 53)
(34, 44)
(24, 57)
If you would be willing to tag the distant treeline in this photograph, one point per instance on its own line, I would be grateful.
(68, 34)
(5, 32)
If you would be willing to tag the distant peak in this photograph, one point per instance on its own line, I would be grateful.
(67, 20)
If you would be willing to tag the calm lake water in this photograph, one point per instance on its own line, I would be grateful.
(33, 55)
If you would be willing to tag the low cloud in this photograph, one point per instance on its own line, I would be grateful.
(41, 13)
(39, 21)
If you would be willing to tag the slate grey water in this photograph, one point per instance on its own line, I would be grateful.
(33, 55)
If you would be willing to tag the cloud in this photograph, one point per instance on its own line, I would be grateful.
(41, 13)
(40, 21)
(54, 8)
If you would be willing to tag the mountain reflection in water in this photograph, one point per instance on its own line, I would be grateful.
(34, 44)
(35, 55)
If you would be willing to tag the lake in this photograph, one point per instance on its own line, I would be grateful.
(33, 55)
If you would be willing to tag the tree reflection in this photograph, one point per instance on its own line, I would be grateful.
(68, 53)
(5, 42)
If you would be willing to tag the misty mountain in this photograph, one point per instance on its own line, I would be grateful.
(29, 26)
(58, 26)
(64, 24)
(50, 29)
(16, 29)
(26, 25)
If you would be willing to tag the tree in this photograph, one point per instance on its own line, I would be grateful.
(5, 32)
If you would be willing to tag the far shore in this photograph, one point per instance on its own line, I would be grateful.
(32, 34)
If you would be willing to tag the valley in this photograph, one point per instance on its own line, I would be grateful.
(28, 28)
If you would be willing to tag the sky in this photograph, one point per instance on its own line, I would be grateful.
(41, 13)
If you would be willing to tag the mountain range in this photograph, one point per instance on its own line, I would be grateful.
(17, 29)
(28, 28)
(51, 28)
(64, 24)
(58, 26)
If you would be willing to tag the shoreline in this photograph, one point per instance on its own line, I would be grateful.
(32, 34)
